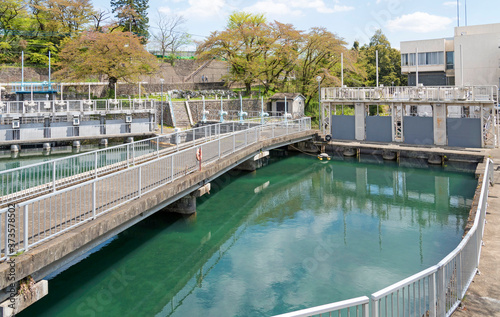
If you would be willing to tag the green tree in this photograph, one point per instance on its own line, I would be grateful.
(132, 16)
(243, 44)
(118, 55)
(320, 55)
(389, 62)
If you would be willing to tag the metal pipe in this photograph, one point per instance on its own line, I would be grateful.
(376, 64)
(416, 64)
(342, 69)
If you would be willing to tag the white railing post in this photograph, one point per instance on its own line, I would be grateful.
(94, 200)
(133, 153)
(234, 140)
(139, 180)
(432, 295)
(25, 228)
(6, 241)
(194, 137)
(128, 154)
(375, 307)
(172, 167)
(366, 310)
(95, 164)
(158, 146)
(54, 176)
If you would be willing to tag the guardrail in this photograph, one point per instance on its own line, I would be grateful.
(63, 106)
(438, 290)
(41, 218)
(41, 178)
(423, 93)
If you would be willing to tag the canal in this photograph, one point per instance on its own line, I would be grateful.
(294, 234)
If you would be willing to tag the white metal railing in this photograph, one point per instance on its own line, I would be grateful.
(84, 130)
(423, 93)
(40, 178)
(438, 290)
(63, 106)
(357, 307)
(38, 219)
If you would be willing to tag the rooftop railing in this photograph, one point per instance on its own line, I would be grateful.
(485, 94)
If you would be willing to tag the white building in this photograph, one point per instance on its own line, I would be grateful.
(471, 57)
(294, 103)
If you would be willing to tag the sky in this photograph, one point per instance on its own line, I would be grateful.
(399, 20)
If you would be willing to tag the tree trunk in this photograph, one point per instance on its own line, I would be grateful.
(111, 86)
(248, 87)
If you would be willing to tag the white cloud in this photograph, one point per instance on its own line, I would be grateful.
(204, 9)
(294, 7)
(450, 3)
(165, 10)
(419, 22)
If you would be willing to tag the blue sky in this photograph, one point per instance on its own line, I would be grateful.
(400, 20)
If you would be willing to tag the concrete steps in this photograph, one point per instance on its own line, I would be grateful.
(180, 114)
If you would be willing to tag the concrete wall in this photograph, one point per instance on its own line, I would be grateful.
(213, 106)
(481, 55)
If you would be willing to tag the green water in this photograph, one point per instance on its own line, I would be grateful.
(295, 234)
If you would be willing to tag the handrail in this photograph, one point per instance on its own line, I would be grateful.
(330, 308)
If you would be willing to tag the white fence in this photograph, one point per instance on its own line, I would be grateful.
(436, 291)
(62, 207)
(64, 106)
(48, 134)
(419, 94)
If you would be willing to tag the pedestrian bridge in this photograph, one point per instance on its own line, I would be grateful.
(54, 212)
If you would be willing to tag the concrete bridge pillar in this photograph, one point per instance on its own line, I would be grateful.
(439, 124)
(359, 121)
(103, 142)
(187, 204)
(254, 163)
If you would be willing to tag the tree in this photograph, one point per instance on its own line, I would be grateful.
(170, 35)
(132, 16)
(118, 55)
(243, 44)
(389, 62)
(320, 56)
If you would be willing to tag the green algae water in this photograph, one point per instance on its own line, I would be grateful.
(294, 234)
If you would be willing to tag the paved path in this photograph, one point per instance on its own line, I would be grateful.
(483, 296)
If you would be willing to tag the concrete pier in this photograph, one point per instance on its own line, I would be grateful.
(17, 302)
(15, 148)
(103, 142)
(187, 204)
(254, 163)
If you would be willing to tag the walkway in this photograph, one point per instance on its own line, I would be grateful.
(483, 296)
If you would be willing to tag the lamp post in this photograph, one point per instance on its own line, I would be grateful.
(161, 105)
(318, 79)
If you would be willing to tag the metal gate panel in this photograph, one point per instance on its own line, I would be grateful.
(464, 132)
(343, 128)
(378, 129)
(418, 130)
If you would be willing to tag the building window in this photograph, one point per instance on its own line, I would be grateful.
(450, 60)
(404, 59)
(431, 58)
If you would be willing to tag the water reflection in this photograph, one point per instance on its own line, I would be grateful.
(297, 233)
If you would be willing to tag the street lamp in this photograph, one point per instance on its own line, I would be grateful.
(318, 79)
(161, 105)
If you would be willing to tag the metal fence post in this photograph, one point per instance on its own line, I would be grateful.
(375, 305)
(94, 200)
(133, 153)
(139, 178)
(194, 137)
(158, 146)
(25, 228)
(54, 176)
(128, 154)
(234, 141)
(432, 295)
(95, 164)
